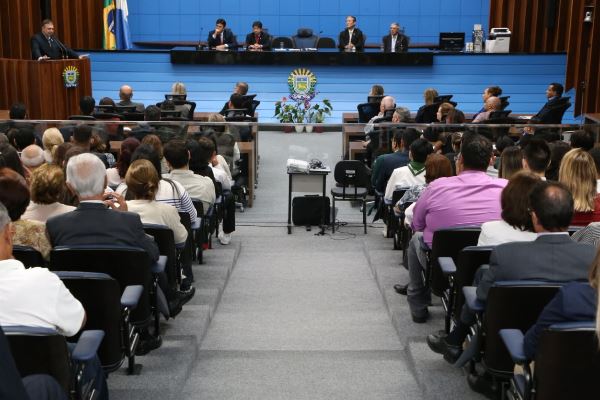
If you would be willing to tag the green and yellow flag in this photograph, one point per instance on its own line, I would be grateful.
(110, 41)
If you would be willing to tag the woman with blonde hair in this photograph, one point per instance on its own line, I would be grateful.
(578, 173)
(429, 96)
(142, 184)
(424, 113)
(185, 108)
(51, 139)
(178, 88)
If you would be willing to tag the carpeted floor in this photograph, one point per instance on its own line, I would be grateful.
(297, 316)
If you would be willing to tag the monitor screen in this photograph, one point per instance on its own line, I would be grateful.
(454, 41)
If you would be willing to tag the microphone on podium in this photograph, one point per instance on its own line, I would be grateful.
(63, 50)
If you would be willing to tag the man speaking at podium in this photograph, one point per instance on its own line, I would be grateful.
(45, 46)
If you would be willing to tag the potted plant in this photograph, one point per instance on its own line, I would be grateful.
(316, 113)
(290, 112)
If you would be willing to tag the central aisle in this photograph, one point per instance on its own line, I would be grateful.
(301, 316)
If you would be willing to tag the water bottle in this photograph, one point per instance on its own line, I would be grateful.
(477, 38)
(281, 45)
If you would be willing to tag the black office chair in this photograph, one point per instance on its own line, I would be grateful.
(44, 351)
(165, 240)
(280, 42)
(510, 305)
(498, 115)
(202, 235)
(305, 39)
(132, 116)
(326, 43)
(460, 274)
(375, 99)
(443, 98)
(427, 114)
(125, 109)
(29, 256)
(555, 115)
(366, 111)
(353, 178)
(108, 310)
(504, 102)
(247, 101)
(168, 113)
(567, 363)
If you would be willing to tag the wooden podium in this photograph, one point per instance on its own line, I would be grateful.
(41, 87)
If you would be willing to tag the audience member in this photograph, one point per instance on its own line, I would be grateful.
(351, 38)
(21, 137)
(552, 257)
(82, 139)
(14, 194)
(558, 150)
(142, 183)
(376, 90)
(429, 96)
(595, 153)
(578, 173)
(490, 91)
(445, 113)
(240, 88)
(116, 175)
(470, 198)
(511, 162)
(87, 105)
(9, 158)
(151, 113)
(47, 190)
(51, 139)
(221, 38)
(37, 297)
(412, 174)
(198, 186)
(60, 155)
(225, 140)
(257, 39)
(536, 157)
(515, 225)
(125, 96)
(99, 146)
(32, 157)
(582, 140)
(384, 165)
(169, 192)
(157, 144)
(553, 94)
(491, 104)
(589, 234)
(454, 141)
(401, 115)
(502, 143)
(178, 88)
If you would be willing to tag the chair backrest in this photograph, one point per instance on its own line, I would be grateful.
(165, 240)
(305, 39)
(443, 98)
(169, 113)
(255, 104)
(82, 118)
(567, 363)
(40, 351)
(555, 115)
(132, 116)
(100, 296)
(448, 243)
(375, 99)
(127, 265)
(176, 97)
(247, 103)
(29, 256)
(429, 114)
(282, 42)
(326, 43)
(107, 116)
(366, 111)
(511, 305)
(504, 102)
(125, 109)
(498, 115)
(351, 173)
(192, 105)
(467, 263)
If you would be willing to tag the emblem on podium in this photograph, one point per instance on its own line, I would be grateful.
(70, 76)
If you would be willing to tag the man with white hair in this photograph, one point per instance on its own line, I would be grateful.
(396, 41)
(492, 104)
(102, 219)
(32, 157)
(126, 94)
(371, 142)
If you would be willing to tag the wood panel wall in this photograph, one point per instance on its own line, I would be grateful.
(558, 25)
(78, 24)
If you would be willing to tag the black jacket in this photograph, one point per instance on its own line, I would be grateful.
(55, 49)
(228, 39)
(401, 43)
(263, 39)
(358, 39)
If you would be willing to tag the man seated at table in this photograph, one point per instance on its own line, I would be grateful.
(395, 42)
(258, 40)
(351, 38)
(221, 38)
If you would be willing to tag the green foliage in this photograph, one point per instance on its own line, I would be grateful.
(300, 112)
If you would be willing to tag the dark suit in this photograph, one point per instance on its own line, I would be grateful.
(574, 302)
(389, 163)
(139, 107)
(545, 113)
(401, 43)
(41, 46)
(228, 39)
(263, 39)
(96, 224)
(554, 258)
(358, 39)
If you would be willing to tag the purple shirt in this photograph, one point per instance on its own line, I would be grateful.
(468, 199)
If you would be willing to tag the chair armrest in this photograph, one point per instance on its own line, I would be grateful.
(471, 300)
(131, 295)
(447, 265)
(87, 345)
(160, 265)
(513, 339)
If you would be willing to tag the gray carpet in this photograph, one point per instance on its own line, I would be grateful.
(301, 316)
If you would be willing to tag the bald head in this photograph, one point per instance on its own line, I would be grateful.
(125, 93)
(32, 156)
(493, 103)
(387, 103)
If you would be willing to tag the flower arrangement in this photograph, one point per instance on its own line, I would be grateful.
(301, 111)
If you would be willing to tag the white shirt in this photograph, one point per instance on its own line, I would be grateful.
(198, 186)
(494, 233)
(350, 32)
(393, 48)
(153, 212)
(43, 212)
(598, 186)
(113, 178)
(36, 297)
(221, 176)
(403, 177)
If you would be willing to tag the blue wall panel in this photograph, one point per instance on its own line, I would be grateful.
(185, 19)
(523, 77)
